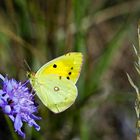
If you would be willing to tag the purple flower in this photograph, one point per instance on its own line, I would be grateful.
(17, 102)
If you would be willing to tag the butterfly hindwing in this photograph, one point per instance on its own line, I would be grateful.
(55, 93)
(68, 66)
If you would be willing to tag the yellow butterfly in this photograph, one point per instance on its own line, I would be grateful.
(55, 81)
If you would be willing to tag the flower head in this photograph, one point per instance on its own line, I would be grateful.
(17, 102)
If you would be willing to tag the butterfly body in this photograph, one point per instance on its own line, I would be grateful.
(54, 82)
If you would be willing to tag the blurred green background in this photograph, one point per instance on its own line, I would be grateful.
(104, 31)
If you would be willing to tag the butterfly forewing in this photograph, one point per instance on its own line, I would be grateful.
(68, 66)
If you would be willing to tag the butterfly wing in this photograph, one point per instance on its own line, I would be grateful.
(56, 93)
(68, 66)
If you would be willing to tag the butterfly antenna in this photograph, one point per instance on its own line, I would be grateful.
(27, 65)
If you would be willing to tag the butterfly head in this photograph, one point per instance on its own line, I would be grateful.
(31, 76)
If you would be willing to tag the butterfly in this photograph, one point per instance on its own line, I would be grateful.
(54, 83)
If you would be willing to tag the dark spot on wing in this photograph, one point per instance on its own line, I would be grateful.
(71, 68)
(69, 73)
(68, 78)
(54, 65)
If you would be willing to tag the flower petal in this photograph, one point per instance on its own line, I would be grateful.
(1, 77)
(33, 123)
(7, 109)
(18, 124)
